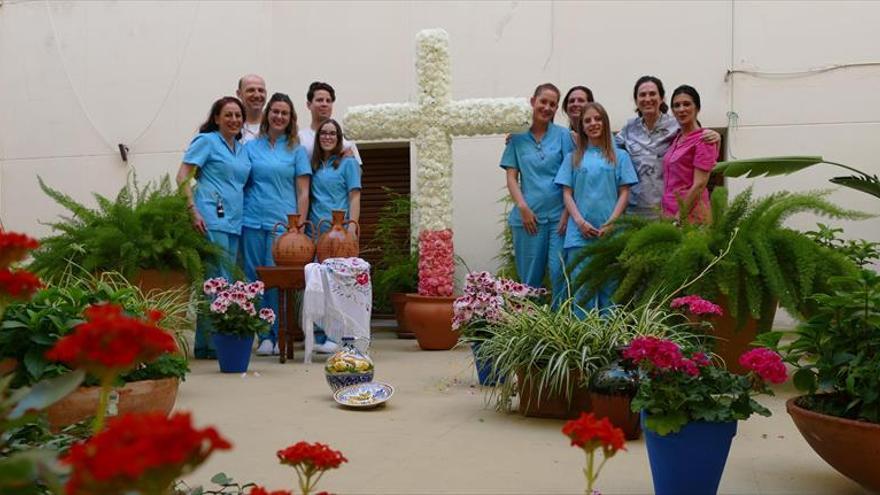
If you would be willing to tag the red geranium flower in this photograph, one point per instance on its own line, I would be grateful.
(110, 342)
(765, 363)
(14, 247)
(588, 433)
(19, 284)
(145, 452)
(259, 490)
(310, 459)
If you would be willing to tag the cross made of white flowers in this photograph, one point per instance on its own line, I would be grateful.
(430, 124)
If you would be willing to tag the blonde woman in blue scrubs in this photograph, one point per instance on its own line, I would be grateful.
(278, 186)
(531, 160)
(220, 166)
(595, 180)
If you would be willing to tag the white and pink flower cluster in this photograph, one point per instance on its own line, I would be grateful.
(436, 263)
(485, 296)
(240, 294)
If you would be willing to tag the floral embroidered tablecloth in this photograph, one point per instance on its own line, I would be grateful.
(339, 298)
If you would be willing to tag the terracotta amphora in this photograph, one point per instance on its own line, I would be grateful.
(338, 242)
(293, 248)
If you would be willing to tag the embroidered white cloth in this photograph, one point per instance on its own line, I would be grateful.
(338, 297)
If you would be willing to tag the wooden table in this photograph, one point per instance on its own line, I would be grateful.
(288, 280)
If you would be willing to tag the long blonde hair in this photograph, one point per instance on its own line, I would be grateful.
(605, 144)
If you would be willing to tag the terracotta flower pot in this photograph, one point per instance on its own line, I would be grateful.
(550, 405)
(851, 447)
(142, 396)
(731, 342)
(430, 318)
(8, 365)
(398, 300)
(617, 409)
(148, 280)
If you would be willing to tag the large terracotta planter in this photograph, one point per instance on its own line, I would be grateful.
(550, 405)
(398, 301)
(851, 447)
(430, 318)
(148, 280)
(731, 342)
(8, 365)
(142, 396)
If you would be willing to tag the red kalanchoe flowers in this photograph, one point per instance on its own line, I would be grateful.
(111, 342)
(18, 284)
(766, 364)
(145, 452)
(259, 490)
(14, 247)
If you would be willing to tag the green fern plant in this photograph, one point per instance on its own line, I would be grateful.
(398, 266)
(767, 263)
(142, 228)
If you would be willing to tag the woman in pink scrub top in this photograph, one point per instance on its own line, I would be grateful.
(688, 162)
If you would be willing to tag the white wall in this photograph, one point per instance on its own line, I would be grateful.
(76, 78)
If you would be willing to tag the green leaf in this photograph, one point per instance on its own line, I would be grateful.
(47, 392)
(766, 166)
(805, 379)
(665, 424)
(221, 479)
(35, 362)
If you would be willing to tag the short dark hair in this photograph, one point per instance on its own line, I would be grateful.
(209, 125)
(318, 86)
(657, 82)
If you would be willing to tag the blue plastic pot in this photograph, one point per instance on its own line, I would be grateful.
(484, 369)
(691, 461)
(233, 352)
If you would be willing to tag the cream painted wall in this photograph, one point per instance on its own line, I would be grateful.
(79, 77)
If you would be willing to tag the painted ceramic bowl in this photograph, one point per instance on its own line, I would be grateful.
(341, 380)
(364, 395)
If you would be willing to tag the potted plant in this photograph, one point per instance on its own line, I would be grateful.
(232, 309)
(30, 329)
(690, 410)
(480, 306)
(767, 263)
(429, 313)
(552, 353)
(397, 271)
(836, 354)
(144, 233)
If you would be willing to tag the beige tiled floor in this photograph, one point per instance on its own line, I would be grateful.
(436, 435)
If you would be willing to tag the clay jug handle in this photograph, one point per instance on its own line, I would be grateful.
(312, 229)
(318, 228)
(357, 227)
(275, 228)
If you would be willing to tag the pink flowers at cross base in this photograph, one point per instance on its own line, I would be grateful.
(766, 364)
(696, 306)
(436, 263)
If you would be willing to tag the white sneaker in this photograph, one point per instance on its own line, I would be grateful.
(275, 350)
(265, 348)
(328, 347)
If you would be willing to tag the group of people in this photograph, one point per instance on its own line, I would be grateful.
(569, 186)
(252, 164)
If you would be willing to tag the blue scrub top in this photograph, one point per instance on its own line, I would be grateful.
(223, 172)
(270, 192)
(594, 188)
(538, 164)
(330, 188)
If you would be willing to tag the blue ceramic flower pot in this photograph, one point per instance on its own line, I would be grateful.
(691, 461)
(233, 352)
(484, 369)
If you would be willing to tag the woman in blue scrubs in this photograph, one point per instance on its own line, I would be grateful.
(220, 166)
(531, 160)
(336, 185)
(595, 181)
(278, 186)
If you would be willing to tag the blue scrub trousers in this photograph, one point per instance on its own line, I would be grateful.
(600, 300)
(256, 250)
(204, 345)
(535, 254)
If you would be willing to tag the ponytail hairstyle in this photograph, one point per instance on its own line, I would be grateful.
(657, 82)
(692, 92)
